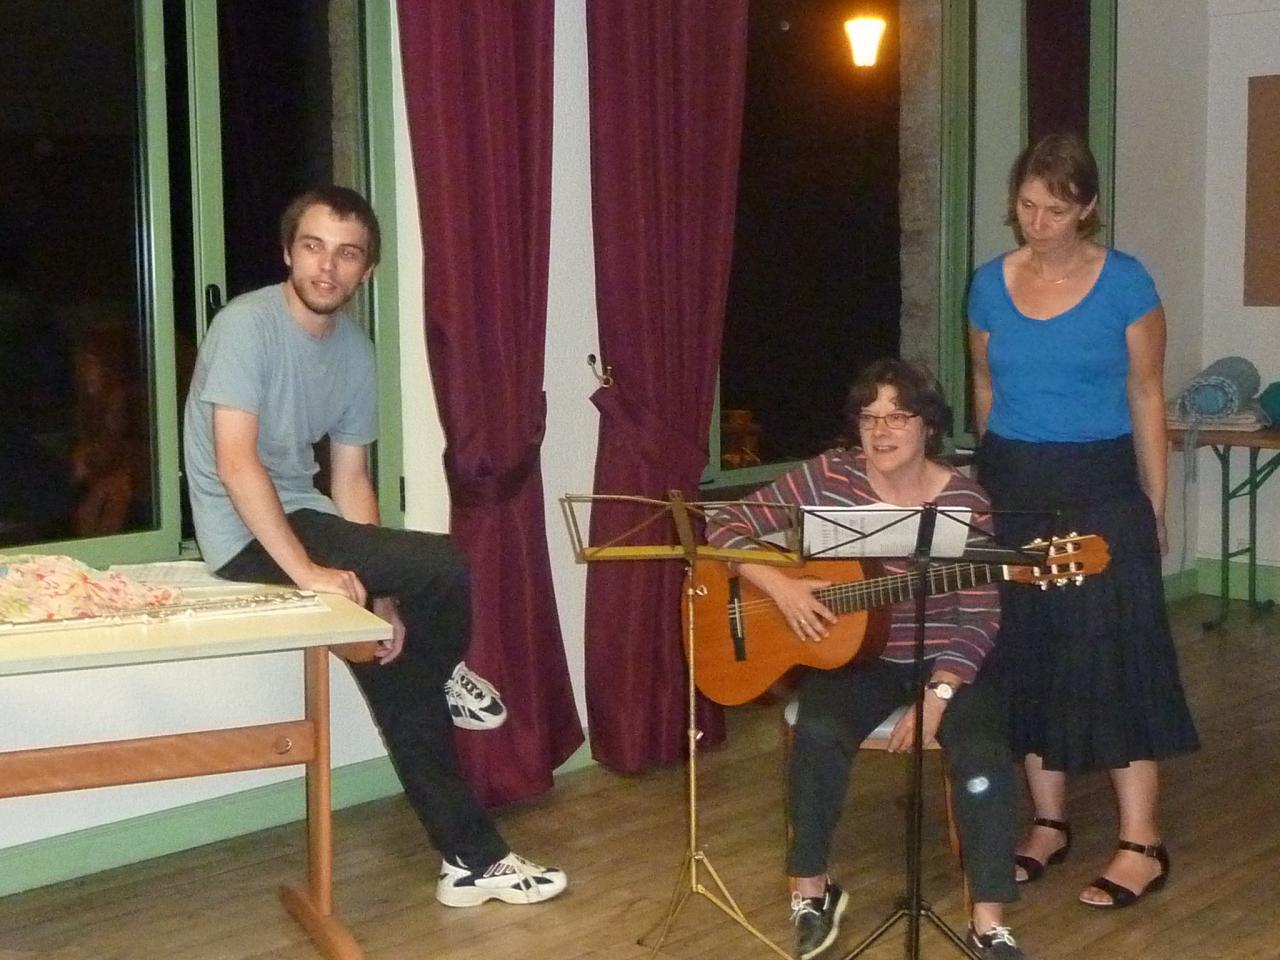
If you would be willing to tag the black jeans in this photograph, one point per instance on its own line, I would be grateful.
(429, 579)
(839, 708)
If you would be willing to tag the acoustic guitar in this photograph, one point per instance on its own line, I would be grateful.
(743, 645)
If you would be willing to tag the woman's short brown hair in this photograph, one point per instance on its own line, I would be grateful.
(917, 392)
(1065, 164)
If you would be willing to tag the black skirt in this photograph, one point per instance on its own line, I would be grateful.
(1090, 671)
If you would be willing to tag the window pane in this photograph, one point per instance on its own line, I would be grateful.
(76, 433)
(288, 121)
(814, 291)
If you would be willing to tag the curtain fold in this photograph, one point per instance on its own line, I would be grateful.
(666, 88)
(478, 83)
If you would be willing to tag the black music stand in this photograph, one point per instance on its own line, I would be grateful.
(912, 906)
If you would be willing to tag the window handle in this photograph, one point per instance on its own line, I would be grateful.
(212, 301)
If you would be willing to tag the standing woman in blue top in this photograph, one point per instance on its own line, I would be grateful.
(1067, 339)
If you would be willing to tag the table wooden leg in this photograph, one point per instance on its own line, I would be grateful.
(313, 907)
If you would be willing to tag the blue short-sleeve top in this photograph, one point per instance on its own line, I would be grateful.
(1063, 379)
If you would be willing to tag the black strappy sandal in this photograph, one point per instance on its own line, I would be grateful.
(1035, 868)
(1122, 896)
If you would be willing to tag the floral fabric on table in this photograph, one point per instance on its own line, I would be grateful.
(35, 588)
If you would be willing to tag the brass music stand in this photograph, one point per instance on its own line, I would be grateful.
(688, 879)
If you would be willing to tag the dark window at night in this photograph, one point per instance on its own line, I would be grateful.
(814, 291)
(76, 433)
(82, 297)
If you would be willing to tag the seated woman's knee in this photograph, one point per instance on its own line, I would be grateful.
(825, 733)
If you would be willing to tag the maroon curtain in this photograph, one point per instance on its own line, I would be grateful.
(478, 92)
(666, 86)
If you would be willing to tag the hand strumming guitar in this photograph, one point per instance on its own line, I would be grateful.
(806, 615)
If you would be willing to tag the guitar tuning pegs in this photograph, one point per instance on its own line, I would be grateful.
(1079, 578)
(1043, 584)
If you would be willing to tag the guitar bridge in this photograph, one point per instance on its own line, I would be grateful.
(737, 626)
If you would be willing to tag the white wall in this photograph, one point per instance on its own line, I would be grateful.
(1244, 41)
(426, 492)
(569, 451)
(1161, 78)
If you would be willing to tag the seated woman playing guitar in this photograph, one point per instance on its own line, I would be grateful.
(900, 417)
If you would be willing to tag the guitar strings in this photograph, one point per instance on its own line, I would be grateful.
(864, 589)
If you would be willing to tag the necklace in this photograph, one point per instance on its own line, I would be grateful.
(1039, 271)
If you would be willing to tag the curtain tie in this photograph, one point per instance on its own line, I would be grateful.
(650, 437)
(475, 480)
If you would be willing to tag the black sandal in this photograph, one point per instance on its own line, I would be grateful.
(1035, 868)
(1122, 896)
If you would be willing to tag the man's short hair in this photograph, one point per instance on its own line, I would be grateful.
(344, 202)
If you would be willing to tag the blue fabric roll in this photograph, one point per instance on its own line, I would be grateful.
(1219, 390)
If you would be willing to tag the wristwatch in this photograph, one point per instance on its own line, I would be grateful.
(941, 689)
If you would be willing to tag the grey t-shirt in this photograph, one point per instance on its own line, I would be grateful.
(256, 358)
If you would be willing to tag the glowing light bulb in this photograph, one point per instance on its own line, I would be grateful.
(864, 38)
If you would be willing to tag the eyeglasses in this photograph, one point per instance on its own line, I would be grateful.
(894, 421)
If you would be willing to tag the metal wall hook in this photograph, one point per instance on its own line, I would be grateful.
(604, 379)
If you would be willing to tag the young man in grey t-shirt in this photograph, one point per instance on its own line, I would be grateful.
(280, 369)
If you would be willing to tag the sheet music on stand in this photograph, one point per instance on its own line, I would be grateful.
(832, 533)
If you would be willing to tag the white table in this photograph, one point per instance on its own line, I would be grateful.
(335, 620)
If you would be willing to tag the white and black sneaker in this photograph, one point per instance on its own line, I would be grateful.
(996, 944)
(817, 920)
(473, 701)
(513, 879)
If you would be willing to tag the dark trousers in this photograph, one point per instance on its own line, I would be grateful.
(429, 580)
(839, 708)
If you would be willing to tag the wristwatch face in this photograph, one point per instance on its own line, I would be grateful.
(942, 689)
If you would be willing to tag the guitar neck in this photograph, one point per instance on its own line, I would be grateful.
(901, 587)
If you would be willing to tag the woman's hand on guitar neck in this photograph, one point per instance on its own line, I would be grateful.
(805, 614)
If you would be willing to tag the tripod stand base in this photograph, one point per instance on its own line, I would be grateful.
(912, 917)
(688, 884)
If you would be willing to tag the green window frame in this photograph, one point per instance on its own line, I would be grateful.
(376, 32)
(156, 241)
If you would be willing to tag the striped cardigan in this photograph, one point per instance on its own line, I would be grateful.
(960, 627)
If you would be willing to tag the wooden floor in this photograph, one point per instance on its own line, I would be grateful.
(622, 840)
